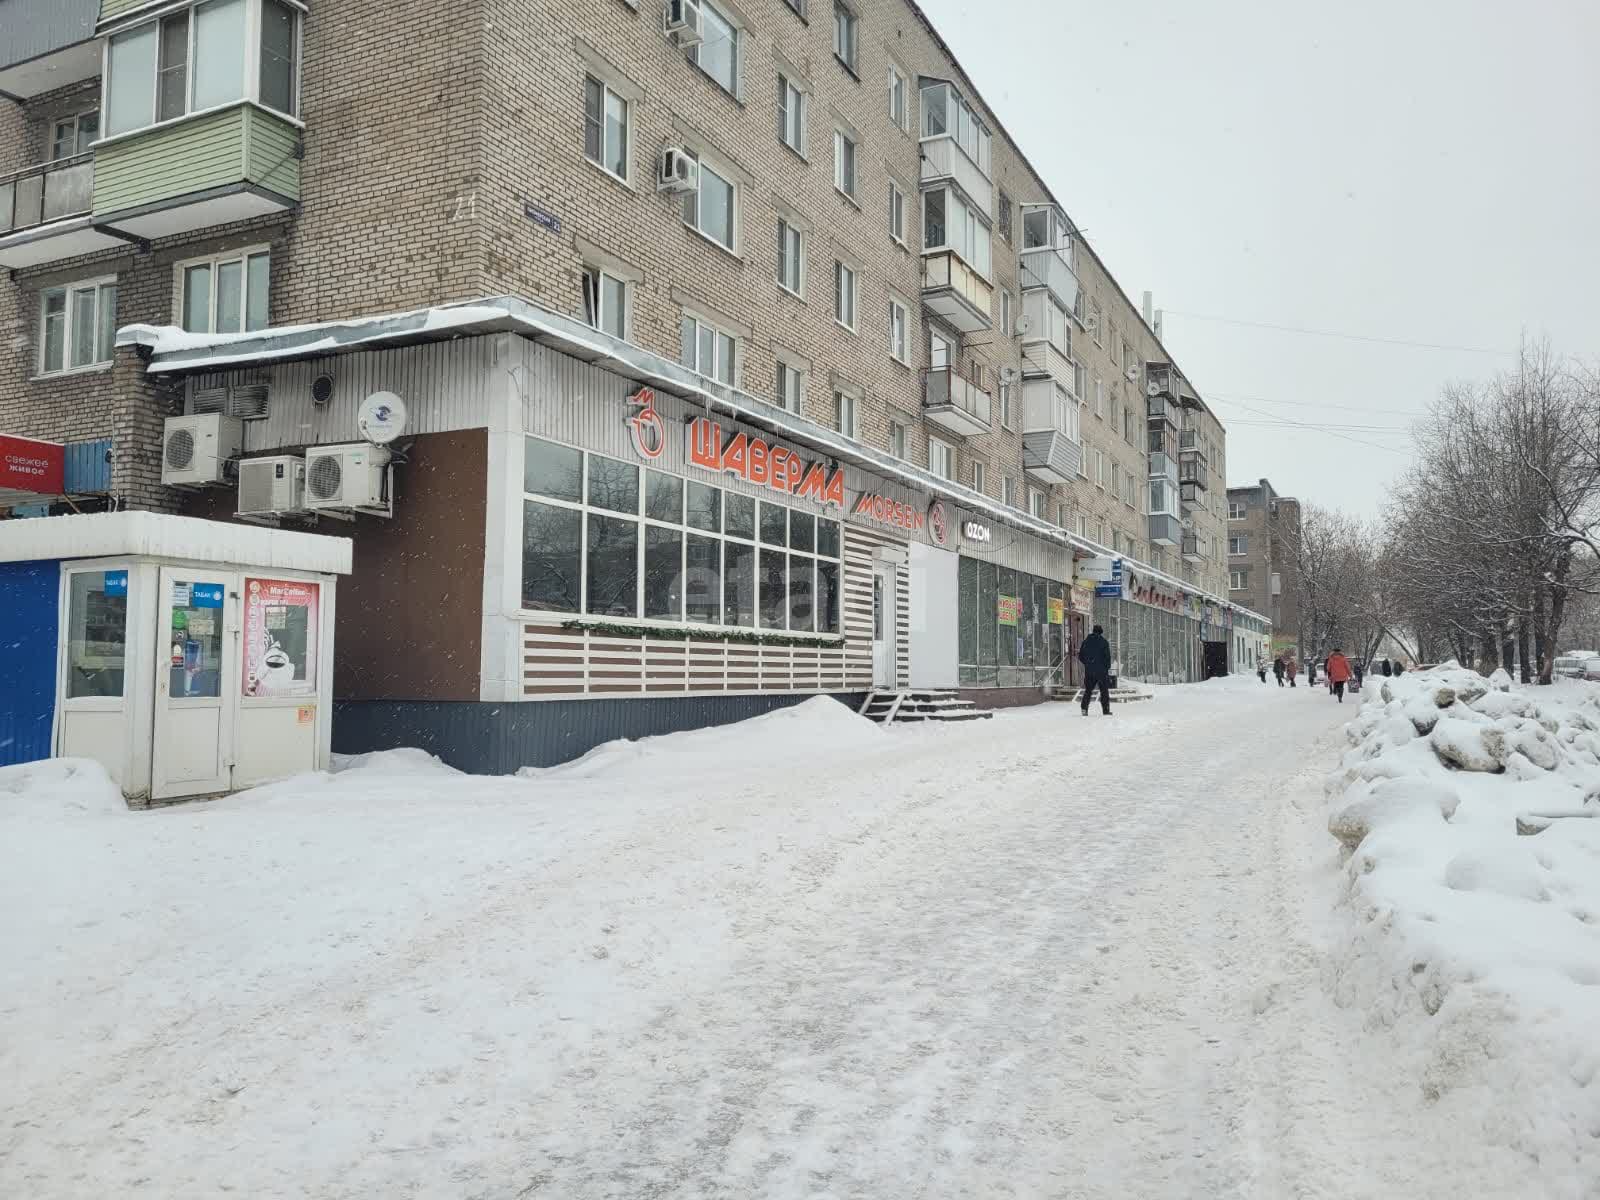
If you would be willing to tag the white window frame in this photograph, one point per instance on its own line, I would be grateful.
(1239, 579)
(939, 450)
(796, 287)
(1036, 503)
(846, 414)
(846, 295)
(843, 139)
(727, 177)
(847, 49)
(1242, 542)
(790, 398)
(607, 92)
(1099, 319)
(1008, 491)
(1006, 415)
(1100, 397)
(734, 87)
(250, 67)
(74, 121)
(897, 438)
(1063, 514)
(980, 478)
(899, 330)
(594, 299)
(1241, 512)
(793, 103)
(897, 212)
(899, 86)
(244, 255)
(1100, 469)
(68, 290)
(722, 331)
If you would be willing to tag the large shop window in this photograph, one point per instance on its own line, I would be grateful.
(612, 539)
(1011, 626)
(196, 59)
(97, 633)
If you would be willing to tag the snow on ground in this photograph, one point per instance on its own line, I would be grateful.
(1041, 955)
(1475, 950)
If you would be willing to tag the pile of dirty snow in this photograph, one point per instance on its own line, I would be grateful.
(1476, 946)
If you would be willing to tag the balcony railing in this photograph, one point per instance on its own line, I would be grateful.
(1049, 269)
(1195, 547)
(954, 401)
(956, 292)
(47, 192)
(943, 158)
(1160, 410)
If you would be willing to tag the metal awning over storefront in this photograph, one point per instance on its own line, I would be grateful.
(169, 350)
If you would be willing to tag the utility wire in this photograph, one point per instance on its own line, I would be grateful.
(1329, 333)
(1331, 433)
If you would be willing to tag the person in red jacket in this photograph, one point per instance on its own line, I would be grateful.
(1338, 673)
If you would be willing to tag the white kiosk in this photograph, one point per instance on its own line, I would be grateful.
(189, 657)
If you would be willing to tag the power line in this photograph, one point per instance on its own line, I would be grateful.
(1389, 410)
(1330, 333)
(1319, 429)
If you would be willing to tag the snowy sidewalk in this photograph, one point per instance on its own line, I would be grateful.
(1044, 956)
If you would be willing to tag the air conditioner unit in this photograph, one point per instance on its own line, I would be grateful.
(682, 22)
(679, 172)
(196, 449)
(272, 487)
(348, 478)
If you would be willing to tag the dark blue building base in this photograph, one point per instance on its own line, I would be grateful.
(496, 739)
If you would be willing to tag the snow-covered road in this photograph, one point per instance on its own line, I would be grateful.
(1039, 956)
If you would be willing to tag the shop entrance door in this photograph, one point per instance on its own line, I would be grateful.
(196, 644)
(883, 646)
(1075, 639)
(1216, 659)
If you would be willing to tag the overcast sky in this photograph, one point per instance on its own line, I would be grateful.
(1413, 170)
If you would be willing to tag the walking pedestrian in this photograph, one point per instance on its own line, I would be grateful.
(1387, 668)
(1293, 668)
(1311, 671)
(1278, 669)
(1338, 673)
(1095, 655)
(1261, 671)
(1360, 668)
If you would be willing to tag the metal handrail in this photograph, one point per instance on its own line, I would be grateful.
(28, 199)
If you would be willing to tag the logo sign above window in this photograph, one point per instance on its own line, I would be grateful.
(977, 531)
(645, 425)
(758, 462)
(938, 523)
(885, 511)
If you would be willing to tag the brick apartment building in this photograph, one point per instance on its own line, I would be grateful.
(1263, 531)
(798, 209)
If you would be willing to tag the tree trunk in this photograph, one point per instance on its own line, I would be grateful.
(1488, 653)
(1524, 650)
(1541, 635)
(1508, 647)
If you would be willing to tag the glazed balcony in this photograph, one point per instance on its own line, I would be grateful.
(955, 402)
(953, 290)
(1050, 268)
(1050, 449)
(1042, 357)
(1165, 529)
(1050, 456)
(1163, 466)
(1192, 471)
(1195, 547)
(1161, 411)
(44, 213)
(1189, 496)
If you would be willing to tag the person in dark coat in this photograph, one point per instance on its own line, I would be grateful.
(1311, 671)
(1360, 669)
(1095, 655)
(1278, 669)
(1387, 668)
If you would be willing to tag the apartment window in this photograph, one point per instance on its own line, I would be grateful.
(791, 115)
(899, 331)
(897, 439)
(846, 32)
(1008, 491)
(711, 207)
(899, 110)
(1080, 381)
(844, 413)
(791, 258)
(718, 53)
(1127, 425)
(897, 213)
(198, 59)
(1116, 479)
(1236, 510)
(227, 294)
(77, 326)
(1100, 468)
(844, 295)
(74, 134)
(1063, 516)
(711, 351)
(941, 459)
(1002, 215)
(1005, 405)
(605, 302)
(1238, 543)
(844, 163)
(1005, 313)
(1082, 523)
(605, 127)
(1239, 580)
(1036, 503)
(791, 387)
(1116, 542)
(1097, 320)
(980, 478)
(1099, 397)
(611, 539)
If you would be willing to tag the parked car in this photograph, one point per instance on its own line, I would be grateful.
(1577, 666)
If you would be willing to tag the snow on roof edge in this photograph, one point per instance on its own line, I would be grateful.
(174, 350)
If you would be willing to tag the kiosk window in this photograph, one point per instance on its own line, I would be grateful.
(196, 663)
(280, 637)
(97, 639)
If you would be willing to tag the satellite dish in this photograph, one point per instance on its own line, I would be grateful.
(381, 418)
(1024, 323)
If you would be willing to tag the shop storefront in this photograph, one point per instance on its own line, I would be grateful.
(1015, 610)
(1154, 636)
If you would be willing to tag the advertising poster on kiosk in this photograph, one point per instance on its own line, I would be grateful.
(280, 637)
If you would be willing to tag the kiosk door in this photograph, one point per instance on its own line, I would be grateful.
(197, 657)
